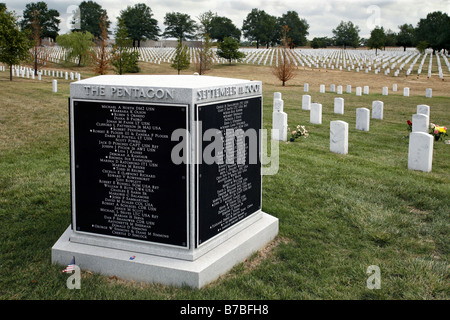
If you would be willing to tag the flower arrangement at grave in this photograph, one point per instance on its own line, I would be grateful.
(438, 132)
(409, 125)
(300, 131)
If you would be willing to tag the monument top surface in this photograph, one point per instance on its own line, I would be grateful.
(169, 81)
(164, 88)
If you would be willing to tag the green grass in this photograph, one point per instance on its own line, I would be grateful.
(338, 214)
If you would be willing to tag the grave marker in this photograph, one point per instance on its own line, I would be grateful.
(420, 152)
(377, 110)
(362, 119)
(339, 105)
(339, 137)
(420, 123)
(315, 115)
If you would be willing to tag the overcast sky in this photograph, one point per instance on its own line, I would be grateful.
(322, 15)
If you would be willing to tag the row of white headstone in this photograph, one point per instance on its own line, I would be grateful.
(420, 153)
(366, 90)
(20, 71)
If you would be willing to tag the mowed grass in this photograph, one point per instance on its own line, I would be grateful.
(338, 214)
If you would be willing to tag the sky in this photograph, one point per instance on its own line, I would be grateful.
(322, 15)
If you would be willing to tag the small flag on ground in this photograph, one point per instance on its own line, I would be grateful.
(70, 267)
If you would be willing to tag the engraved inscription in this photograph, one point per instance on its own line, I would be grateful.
(229, 191)
(125, 182)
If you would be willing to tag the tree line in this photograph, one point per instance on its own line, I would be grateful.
(259, 28)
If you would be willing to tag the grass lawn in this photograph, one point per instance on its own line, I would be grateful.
(338, 214)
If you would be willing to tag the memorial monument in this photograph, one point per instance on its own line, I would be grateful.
(167, 170)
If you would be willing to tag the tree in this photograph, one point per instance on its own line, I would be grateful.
(181, 58)
(434, 30)
(39, 55)
(140, 23)
(260, 27)
(405, 37)
(377, 39)
(391, 39)
(205, 55)
(100, 57)
(229, 49)
(180, 26)
(120, 54)
(298, 28)
(319, 42)
(14, 43)
(222, 27)
(38, 13)
(90, 14)
(77, 43)
(346, 34)
(284, 69)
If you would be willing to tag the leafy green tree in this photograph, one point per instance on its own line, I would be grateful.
(377, 39)
(229, 49)
(14, 43)
(318, 43)
(222, 27)
(181, 58)
(405, 37)
(391, 39)
(140, 23)
(77, 43)
(47, 19)
(122, 43)
(298, 28)
(90, 15)
(205, 56)
(179, 25)
(261, 28)
(434, 30)
(346, 34)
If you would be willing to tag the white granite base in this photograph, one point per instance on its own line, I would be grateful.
(164, 270)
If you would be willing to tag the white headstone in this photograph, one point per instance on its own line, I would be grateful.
(315, 115)
(67, 76)
(366, 89)
(39, 76)
(322, 88)
(339, 105)
(429, 93)
(420, 153)
(394, 87)
(339, 137)
(349, 88)
(55, 85)
(420, 123)
(406, 92)
(362, 119)
(385, 91)
(339, 90)
(278, 105)
(358, 91)
(306, 102)
(333, 88)
(279, 119)
(423, 109)
(377, 110)
(306, 87)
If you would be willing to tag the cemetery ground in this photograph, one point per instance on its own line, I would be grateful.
(338, 214)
